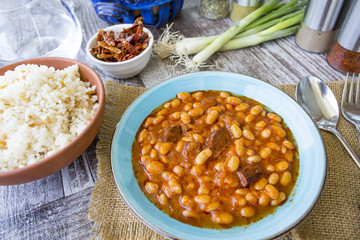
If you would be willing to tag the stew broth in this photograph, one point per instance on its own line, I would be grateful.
(214, 160)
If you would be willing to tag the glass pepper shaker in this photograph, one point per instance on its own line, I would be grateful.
(344, 55)
(214, 9)
(242, 8)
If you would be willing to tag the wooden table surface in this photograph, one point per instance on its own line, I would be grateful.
(56, 207)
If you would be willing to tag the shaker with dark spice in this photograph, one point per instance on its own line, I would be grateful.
(344, 55)
(214, 9)
(343, 59)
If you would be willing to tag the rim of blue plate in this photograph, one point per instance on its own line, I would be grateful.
(299, 202)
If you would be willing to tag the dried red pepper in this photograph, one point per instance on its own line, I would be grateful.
(121, 46)
(343, 59)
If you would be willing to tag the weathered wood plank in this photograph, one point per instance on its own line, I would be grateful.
(92, 159)
(77, 177)
(26, 197)
(65, 218)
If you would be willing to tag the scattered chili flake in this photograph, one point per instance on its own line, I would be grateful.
(343, 59)
(121, 46)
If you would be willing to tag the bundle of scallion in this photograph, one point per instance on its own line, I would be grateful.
(271, 21)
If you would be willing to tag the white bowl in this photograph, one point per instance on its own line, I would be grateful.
(125, 69)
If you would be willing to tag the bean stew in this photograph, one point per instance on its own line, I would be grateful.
(214, 160)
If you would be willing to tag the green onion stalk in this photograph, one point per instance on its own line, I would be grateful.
(214, 46)
(188, 46)
(288, 8)
(282, 29)
(271, 21)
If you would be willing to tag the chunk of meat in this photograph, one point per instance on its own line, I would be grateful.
(172, 133)
(209, 102)
(218, 140)
(249, 174)
(191, 150)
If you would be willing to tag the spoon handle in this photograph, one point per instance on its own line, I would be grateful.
(347, 146)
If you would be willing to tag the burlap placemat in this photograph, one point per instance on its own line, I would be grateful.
(336, 216)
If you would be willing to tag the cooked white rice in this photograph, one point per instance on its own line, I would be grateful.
(41, 111)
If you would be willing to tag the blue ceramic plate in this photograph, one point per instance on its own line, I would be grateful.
(312, 171)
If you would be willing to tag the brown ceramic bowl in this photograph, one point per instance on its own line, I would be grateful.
(74, 149)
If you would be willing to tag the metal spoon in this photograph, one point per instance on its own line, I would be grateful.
(317, 99)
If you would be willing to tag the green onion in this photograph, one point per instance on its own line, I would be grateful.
(277, 31)
(268, 24)
(263, 22)
(271, 21)
(202, 56)
(288, 8)
(190, 46)
(256, 39)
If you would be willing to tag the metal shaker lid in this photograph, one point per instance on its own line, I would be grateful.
(349, 36)
(249, 3)
(323, 15)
